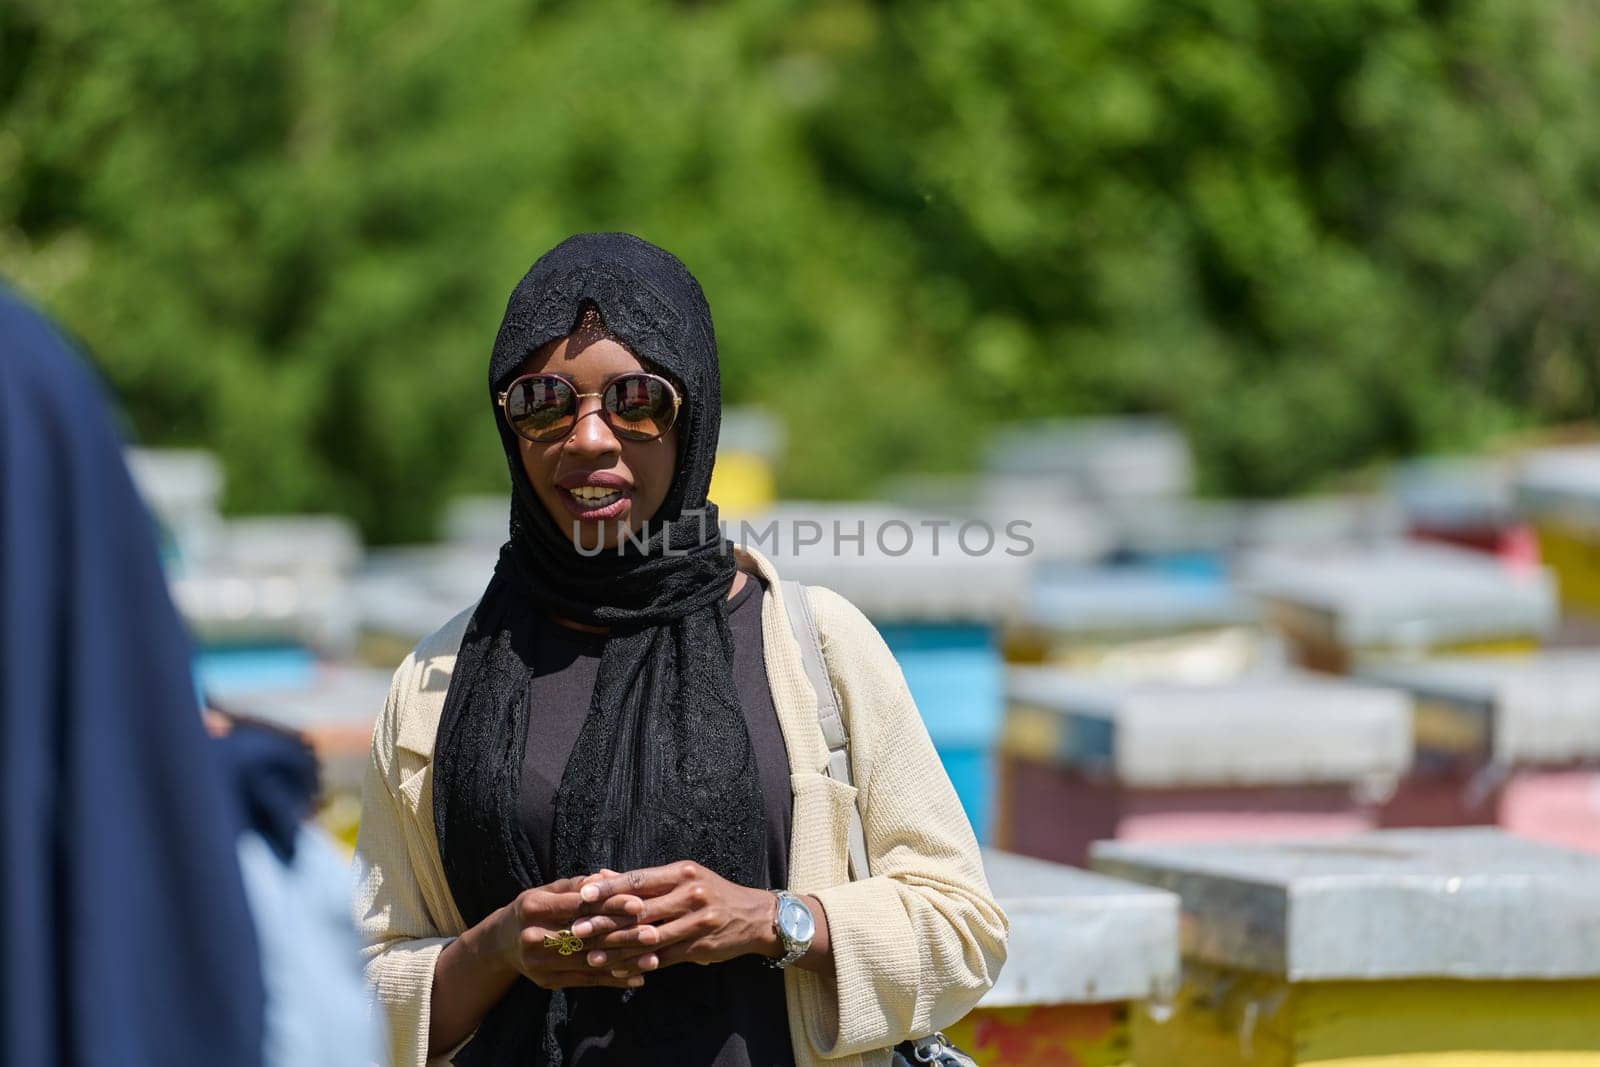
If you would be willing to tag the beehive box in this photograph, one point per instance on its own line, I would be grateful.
(1400, 948)
(1086, 758)
(1510, 741)
(1400, 599)
(1087, 954)
(1468, 501)
(1559, 490)
(1136, 621)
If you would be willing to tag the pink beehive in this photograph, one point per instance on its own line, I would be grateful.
(1087, 758)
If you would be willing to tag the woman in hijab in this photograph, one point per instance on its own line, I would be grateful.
(125, 936)
(611, 768)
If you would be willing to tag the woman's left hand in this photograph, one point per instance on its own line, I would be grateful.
(691, 915)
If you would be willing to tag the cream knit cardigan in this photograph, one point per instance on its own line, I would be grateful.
(914, 947)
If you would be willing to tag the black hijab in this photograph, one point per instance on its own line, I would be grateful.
(125, 936)
(663, 768)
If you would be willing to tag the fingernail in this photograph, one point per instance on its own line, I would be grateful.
(636, 982)
(649, 963)
(597, 959)
(590, 893)
(619, 973)
(583, 929)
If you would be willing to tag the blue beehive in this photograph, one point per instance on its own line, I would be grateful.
(224, 669)
(954, 672)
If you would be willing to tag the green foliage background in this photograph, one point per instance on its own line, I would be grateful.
(1316, 232)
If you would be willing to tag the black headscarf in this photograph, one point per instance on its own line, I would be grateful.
(125, 936)
(663, 768)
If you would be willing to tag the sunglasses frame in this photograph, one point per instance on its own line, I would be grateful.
(605, 412)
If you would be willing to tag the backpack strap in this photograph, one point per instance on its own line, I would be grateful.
(828, 716)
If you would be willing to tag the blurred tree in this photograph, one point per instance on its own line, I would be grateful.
(1317, 233)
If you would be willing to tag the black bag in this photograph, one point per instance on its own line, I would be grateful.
(934, 1049)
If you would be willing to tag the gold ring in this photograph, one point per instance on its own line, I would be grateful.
(564, 941)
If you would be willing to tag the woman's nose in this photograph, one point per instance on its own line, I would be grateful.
(591, 434)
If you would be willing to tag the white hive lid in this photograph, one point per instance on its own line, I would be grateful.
(1543, 708)
(1272, 730)
(1392, 904)
(411, 591)
(176, 481)
(226, 607)
(1079, 937)
(1455, 490)
(1133, 456)
(1129, 600)
(1328, 521)
(1061, 524)
(289, 544)
(1407, 593)
(1560, 482)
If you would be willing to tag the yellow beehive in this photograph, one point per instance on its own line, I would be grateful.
(1403, 948)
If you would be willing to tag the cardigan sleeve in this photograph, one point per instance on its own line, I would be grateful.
(400, 943)
(916, 945)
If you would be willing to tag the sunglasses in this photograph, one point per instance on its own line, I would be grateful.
(544, 407)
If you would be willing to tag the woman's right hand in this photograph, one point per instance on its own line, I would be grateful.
(541, 912)
(473, 971)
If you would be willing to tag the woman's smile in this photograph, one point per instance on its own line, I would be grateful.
(595, 496)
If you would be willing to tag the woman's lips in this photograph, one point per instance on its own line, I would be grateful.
(587, 512)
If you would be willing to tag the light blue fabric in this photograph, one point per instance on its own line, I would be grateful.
(317, 1005)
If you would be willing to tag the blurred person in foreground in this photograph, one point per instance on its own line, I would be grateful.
(297, 881)
(596, 828)
(135, 896)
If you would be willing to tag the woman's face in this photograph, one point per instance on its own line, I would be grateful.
(595, 484)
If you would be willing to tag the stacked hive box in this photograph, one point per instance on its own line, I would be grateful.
(1509, 740)
(1465, 501)
(1401, 598)
(1403, 948)
(1405, 601)
(1087, 954)
(1087, 758)
(1136, 622)
(1559, 490)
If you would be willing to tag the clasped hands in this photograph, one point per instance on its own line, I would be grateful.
(634, 922)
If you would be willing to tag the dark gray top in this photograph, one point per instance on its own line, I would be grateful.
(748, 1025)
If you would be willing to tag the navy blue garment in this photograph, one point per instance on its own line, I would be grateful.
(274, 778)
(125, 937)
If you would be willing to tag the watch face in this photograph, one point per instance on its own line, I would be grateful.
(795, 921)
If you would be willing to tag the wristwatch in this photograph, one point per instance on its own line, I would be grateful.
(794, 926)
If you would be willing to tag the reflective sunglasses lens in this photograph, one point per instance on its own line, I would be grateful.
(641, 406)
(540, 408)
